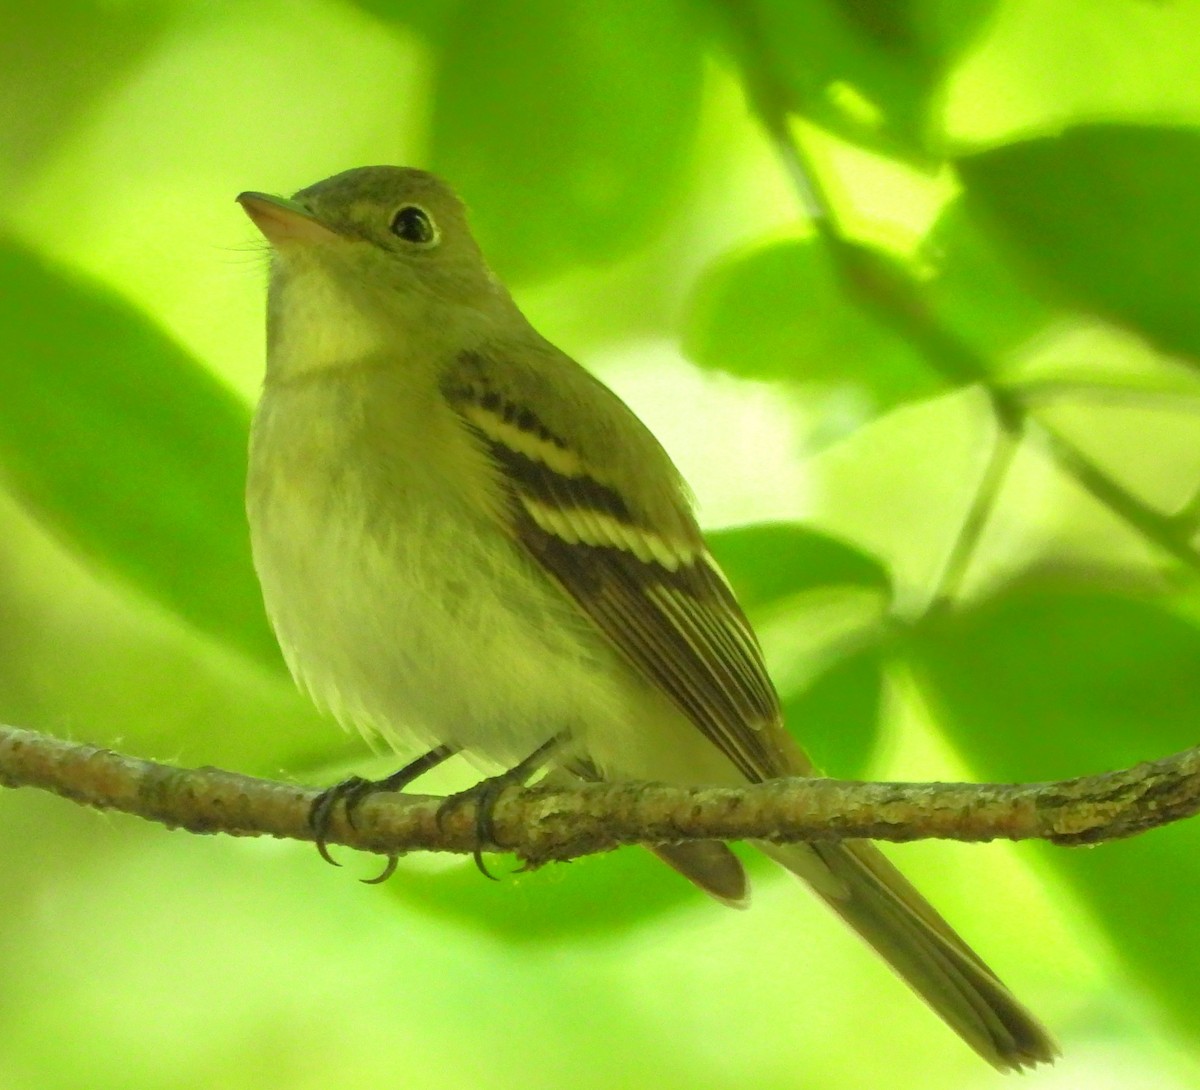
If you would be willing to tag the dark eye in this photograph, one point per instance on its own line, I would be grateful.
(412, 223)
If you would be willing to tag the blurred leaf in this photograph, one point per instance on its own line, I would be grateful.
(566, 127)
(975, 291)
(772, 561)
(1108, 217)
(1144, 892)
(127, 448)
(867, 71)
(780, 312)
(836, 718)
(1045, 684)
(601, 894)
(56, 61)
(836, 715)
(429, 18)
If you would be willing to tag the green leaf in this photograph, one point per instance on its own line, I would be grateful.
(867, 71)
(1106, 217)
(836, 717)
(978, 292)
(602, 894)
(1046, 684)
(429, 18)
(57, 61)
(769, 562)
(779, 311)
(974, 289)
(566, 127)
(127, 448)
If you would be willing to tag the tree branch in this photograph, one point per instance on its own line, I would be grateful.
(542, 824)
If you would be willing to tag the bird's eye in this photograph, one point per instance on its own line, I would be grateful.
(412, 223)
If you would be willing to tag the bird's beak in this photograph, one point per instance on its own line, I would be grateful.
(285, 222)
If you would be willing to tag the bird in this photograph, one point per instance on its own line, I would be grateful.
(467, 544)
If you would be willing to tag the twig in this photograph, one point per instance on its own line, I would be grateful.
(543, 824)
(890, 291)
(1004, 446)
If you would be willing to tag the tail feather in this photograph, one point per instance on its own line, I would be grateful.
(710, 865)
(707, 864)
(874, 898)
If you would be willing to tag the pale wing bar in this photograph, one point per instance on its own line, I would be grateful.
(665, 605)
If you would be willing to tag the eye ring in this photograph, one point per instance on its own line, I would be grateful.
(414, 225)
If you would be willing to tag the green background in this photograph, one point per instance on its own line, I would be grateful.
(944, 433)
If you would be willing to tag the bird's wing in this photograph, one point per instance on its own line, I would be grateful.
(655, 593)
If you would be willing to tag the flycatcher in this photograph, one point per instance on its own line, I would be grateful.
(467, 543)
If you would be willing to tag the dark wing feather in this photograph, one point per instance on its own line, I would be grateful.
(660, 599)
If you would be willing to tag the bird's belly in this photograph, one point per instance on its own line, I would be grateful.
(426, 636)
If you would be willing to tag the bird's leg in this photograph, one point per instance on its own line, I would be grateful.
(486, 793)
(353, 791)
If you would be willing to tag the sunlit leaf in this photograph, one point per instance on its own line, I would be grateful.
(127, 448)
(1045, 684)
(1107, 218)
(781, 311)
(566, 127)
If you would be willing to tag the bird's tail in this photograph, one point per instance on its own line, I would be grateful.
(710, 865)
(874, 898)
